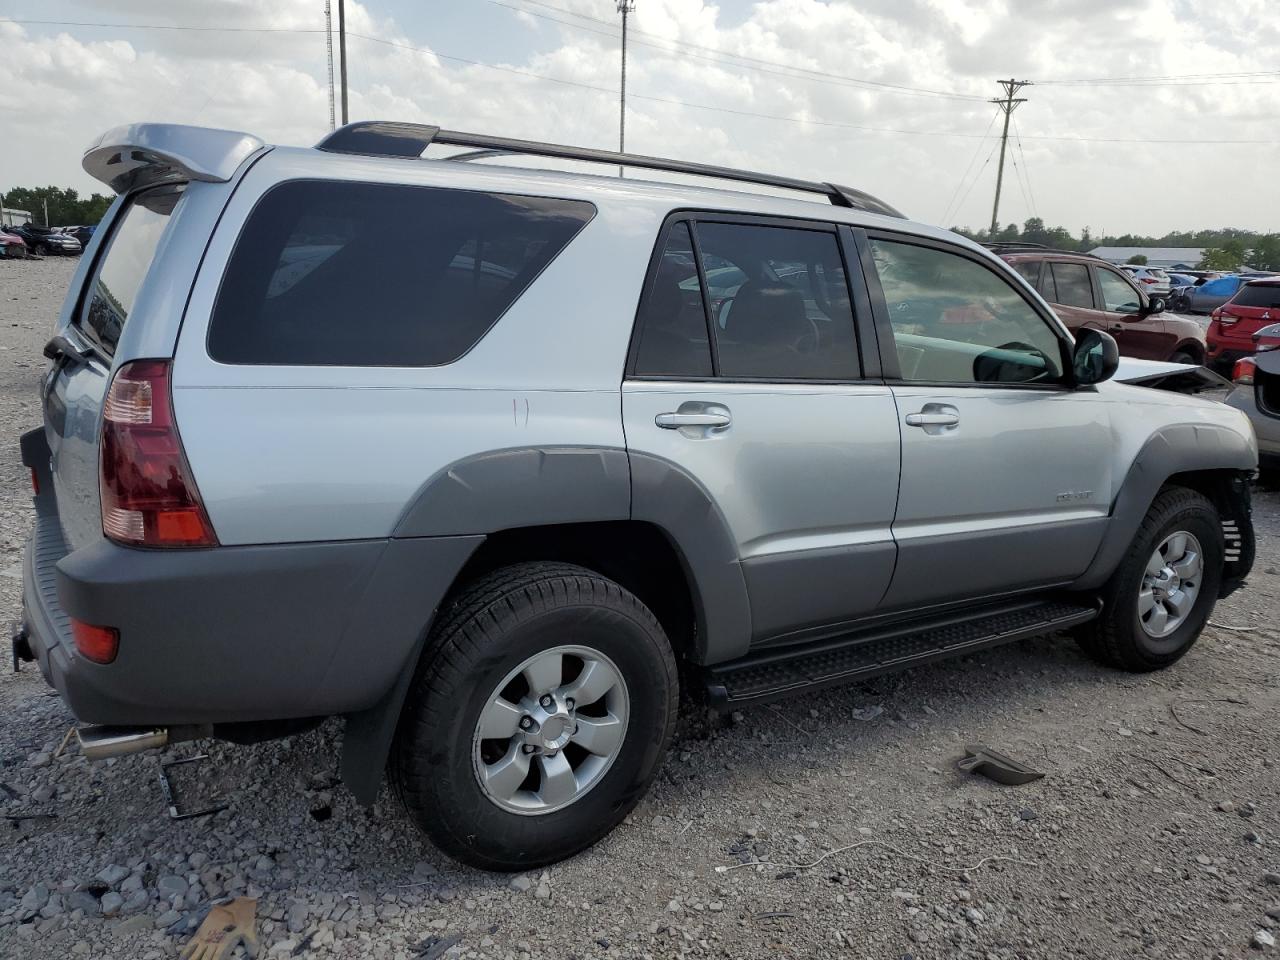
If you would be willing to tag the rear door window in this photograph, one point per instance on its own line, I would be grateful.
(1030, 270)
(673, 340)
(1072, 283)
(128, 257)
(364, 274)
(779, 301)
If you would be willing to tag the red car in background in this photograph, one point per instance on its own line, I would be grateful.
(1232, 325)
(12, 245)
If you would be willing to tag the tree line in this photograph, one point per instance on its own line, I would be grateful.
(66, 207)
(1228, 248)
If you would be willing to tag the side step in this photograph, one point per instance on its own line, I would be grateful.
(775, 673)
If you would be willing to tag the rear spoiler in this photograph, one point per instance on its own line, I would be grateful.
(143, 154)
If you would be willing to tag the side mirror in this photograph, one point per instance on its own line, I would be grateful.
(1156, 305)
(1096, 357)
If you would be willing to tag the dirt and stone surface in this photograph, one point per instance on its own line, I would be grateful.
(1155, 831)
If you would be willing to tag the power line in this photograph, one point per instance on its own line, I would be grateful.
(722, 56)
(977, 176)
(1026, 173)
(667, 100)
(946, 211)
(160, 26)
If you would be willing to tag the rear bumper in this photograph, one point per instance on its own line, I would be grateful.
(232, 634)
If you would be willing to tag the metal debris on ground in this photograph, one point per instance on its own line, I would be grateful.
(996, 766)
(171, 798)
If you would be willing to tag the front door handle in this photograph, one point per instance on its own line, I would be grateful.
(932, 419)
(673, 421)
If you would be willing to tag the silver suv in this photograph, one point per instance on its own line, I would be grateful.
(487, 460)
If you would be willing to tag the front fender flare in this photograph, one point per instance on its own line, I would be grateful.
(1179, 448)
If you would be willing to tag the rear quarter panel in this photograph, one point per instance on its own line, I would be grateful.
(297, 453)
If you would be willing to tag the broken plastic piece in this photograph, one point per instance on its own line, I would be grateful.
(170, 797)
(996, 766)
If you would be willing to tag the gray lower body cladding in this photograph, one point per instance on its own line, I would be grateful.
(234, 633)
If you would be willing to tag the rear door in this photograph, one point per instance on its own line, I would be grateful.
(745, 376)
(77, 380)
(1005, 468)
(1067, 286)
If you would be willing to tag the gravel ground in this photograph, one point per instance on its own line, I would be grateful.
(1155, 831)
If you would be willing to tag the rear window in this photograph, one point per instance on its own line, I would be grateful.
(1264, 295)
(365, 274)
(132, 247)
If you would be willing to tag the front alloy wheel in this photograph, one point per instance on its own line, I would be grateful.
(1170, 584)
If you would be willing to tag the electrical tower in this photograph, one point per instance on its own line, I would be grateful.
(625, 7)
(1008, 103)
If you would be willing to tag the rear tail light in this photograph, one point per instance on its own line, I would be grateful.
(1150, 280)
(149, 498)
(99, 644)
(1242, 372)
(35, 482)
(1224, 319)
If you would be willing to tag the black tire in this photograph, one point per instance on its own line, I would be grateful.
(1183, 357)
(1117, 638)
(491, 627)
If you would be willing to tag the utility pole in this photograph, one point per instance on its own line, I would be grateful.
(46, 211)
(1008, 103)
(342, 55)
(328, 45)
(625, 7)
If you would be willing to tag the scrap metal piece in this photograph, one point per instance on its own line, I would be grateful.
(170, 797)
(996, 766)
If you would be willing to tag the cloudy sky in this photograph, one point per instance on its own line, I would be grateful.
(886, 95)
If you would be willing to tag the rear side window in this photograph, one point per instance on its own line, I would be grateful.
(1030, 270)
(365, 274)
(133, 244)
(1258, 295)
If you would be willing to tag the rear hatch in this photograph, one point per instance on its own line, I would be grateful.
(1254, 306)
(84, 350)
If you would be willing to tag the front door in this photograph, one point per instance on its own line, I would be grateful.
(1139, 333)
(745, 376)
(1005, 469)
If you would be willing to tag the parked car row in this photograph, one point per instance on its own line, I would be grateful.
(1204, 292)
(1088, 292)
(26, 239)
(1234, 324)
(1257, 395)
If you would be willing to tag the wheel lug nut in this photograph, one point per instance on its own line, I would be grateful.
(529, 748)
(546, 700)
(569, 703)
(526, 723)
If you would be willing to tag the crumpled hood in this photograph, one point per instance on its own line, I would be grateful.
(1154, 373)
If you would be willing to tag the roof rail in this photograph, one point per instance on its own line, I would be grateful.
(1012, 246)
(383, 138)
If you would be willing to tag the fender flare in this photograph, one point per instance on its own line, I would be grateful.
(1179, 448)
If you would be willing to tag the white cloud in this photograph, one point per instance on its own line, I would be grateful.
(63, 88)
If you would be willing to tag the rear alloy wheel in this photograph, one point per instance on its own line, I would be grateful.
(539, 714)
(1162, 593)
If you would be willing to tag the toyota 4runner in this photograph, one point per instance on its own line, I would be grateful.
(488, 459)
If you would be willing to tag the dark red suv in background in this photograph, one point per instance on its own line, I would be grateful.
(1090, 292)
(1232, 325)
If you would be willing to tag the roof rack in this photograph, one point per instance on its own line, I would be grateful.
(1013, 246)
(383, 138)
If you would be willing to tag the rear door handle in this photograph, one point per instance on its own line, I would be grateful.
(932, 419)
(673, 421)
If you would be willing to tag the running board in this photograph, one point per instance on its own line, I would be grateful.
(775, 673)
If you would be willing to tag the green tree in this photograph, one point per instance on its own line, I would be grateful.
(66, 206)
(1219, 258)
(1137, 259)
(1266, 252)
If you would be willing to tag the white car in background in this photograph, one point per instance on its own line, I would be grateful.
(1153, 279)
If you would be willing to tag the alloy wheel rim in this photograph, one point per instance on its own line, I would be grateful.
(1170, 584)
(550, 731)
